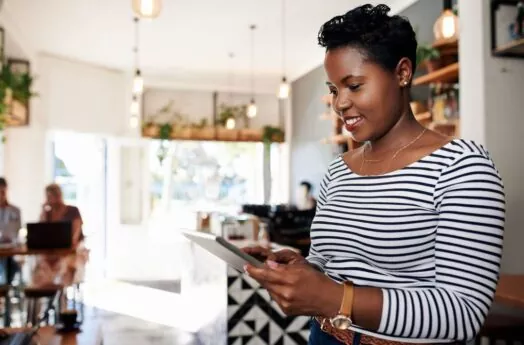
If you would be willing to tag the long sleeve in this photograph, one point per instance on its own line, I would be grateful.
(469, 198)
(314, 257)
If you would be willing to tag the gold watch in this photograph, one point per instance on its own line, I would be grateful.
(342, 320)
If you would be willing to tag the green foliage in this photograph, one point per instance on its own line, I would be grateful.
(16, 86)
(426, 52)
(271, 134)
(230, 111)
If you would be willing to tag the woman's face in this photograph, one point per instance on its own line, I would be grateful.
(367, 97)
(53, 198)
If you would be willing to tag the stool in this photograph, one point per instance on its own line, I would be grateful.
(502, 327)
(4, 295)
(33, 295)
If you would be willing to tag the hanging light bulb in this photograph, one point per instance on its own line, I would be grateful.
(230, 123)
(447, 25)
(138, 83)
(147, 9)
(283, 90)
(252, 109)
(133, 121)
(135, 106)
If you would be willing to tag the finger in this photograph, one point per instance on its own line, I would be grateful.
(285, 256)
(265, 275)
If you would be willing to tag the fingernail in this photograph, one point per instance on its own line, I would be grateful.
(245, 269)
(272, 264)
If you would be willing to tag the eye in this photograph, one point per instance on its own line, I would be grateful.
(332, 91)
(354, 87)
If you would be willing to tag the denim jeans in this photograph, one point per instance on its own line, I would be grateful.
(319, 337)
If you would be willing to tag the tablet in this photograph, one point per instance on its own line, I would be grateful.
(222, 249)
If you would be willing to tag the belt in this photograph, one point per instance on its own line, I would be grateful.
(348, 337)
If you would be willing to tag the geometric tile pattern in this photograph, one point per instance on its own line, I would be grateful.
(254, 319)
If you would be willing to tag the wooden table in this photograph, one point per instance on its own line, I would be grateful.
(23, 250)
(90, 335)
(510, 291)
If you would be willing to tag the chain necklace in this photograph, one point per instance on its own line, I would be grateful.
(364, 160)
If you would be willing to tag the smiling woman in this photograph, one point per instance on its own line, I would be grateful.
(407, 238)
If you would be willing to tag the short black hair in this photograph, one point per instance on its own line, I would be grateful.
(382, 38)
(3, 182)
(306, 184)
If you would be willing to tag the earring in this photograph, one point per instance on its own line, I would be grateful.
(405, 83)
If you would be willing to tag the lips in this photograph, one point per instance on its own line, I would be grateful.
(352, 122)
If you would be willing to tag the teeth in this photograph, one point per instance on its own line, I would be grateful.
(353, 120)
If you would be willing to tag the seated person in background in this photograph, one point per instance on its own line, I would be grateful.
(10, 224)
(305, 200)
(50, 266)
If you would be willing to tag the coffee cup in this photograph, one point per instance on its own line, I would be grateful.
(68, 318)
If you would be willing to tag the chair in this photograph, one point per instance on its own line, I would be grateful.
(34, 296)
(4, 294)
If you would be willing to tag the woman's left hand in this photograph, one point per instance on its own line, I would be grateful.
(299, 289)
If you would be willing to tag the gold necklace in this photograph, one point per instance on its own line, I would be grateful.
(364, 160)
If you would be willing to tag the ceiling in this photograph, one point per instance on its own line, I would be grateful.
(189, 43)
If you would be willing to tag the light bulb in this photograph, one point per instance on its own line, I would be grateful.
(138, 83)
(135, 107)
(147, 9)
(446, 26)
(252, 109)
(133, 121)
(283, 90)
(230, 123)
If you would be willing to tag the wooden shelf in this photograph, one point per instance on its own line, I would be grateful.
(423, 116)
(446, 74)
(512, 48)
(209, 134)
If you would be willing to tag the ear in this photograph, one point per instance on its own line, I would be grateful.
(404, 72)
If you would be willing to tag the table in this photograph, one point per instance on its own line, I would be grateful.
(510, 291)
(23, 250)
(90, 335)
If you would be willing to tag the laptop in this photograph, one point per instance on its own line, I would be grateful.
(49, 235)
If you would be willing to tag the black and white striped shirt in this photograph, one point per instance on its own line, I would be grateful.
(429, 235)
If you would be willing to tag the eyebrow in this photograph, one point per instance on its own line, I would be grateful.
(343, 80)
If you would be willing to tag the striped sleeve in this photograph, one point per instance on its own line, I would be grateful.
(314, 257)
(469, 197)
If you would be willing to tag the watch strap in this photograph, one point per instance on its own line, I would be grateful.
(346, 306)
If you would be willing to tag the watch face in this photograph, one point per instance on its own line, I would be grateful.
(341, 322)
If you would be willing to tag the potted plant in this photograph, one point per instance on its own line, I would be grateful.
(428, 57)
(14, 87)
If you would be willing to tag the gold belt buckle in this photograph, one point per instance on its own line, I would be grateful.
(322, 324)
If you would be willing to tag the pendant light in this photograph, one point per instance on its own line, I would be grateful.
(252, 107)
(147, 9)
(283, 90)
(447, 25)
(138, 82)
(230, 121)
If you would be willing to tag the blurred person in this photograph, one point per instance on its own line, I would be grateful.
(10, 224)
(305, 198)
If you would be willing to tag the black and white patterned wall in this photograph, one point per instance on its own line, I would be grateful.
(254, 319)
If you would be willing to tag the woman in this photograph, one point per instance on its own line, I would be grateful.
(407, 237)
(50, 268)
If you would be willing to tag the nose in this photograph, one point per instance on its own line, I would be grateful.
(341, 103)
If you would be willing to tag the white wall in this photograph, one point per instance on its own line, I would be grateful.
(491, 113)
(197, 105)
